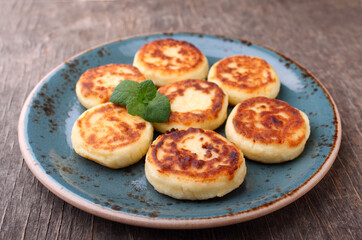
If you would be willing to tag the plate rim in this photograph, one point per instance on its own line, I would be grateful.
(171, 223)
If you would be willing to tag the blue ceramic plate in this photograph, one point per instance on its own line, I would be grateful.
(125, 195)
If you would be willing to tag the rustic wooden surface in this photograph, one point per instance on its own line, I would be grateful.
(323, 36)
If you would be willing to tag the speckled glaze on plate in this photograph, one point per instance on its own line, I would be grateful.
(125, 195)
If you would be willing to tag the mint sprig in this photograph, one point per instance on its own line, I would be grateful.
(142, 99)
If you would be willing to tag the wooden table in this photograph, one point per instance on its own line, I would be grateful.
(323, 36)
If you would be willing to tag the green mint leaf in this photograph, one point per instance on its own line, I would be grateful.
(146, 91)
(124, 91)
(158, 109)
(142, 99)
(135, 107)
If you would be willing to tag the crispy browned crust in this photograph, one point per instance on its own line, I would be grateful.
(91, 85)
(275, 128)
(182, 162)
(120, 135)
(191, 58)
(188, 118)
(250, 80)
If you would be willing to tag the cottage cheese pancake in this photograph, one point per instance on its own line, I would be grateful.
(194, 103)
(96, 85)
(110, 136)
(194, 164)
(168, 60)
(244, 77)
(268, 130)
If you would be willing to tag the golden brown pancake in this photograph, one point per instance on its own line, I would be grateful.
(268, 130)
(96, 85)
(243, 77)
(168, 60)
(194, 103)
(194, 164)
(107, 134)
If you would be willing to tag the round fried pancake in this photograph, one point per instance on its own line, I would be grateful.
(96, 85)
(194, 103)
(244, 77)
(110, 136)
(168, 60)
(268, 130)
(194, 164)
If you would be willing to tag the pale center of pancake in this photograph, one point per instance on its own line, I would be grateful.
(108, 80)
(191, 100)
(113, 78)
(100, 82)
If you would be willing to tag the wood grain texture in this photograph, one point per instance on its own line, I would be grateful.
(323, 36)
